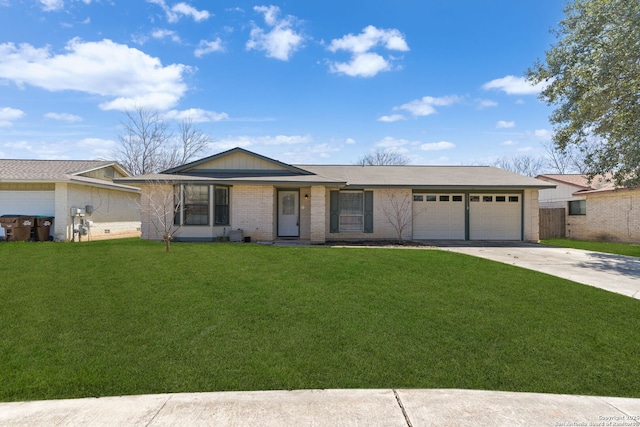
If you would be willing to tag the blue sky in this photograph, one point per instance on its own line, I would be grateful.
(300, 81)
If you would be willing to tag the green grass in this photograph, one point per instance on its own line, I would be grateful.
(124, 317)
(628, 249)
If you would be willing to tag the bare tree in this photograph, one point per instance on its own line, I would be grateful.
(142, 143)
(397, 210)
(571, 159)
(147, 145)
(159, 206)
(524, 165)
(383, 157)
(191, 143)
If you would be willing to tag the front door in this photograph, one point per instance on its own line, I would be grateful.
(288, 214)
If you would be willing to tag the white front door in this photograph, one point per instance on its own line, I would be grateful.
(288, 214)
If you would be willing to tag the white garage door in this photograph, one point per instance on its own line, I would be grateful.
(438, 216)
(495, 217)
(27, 203)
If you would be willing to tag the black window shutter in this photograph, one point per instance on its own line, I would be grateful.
(334, 212)
(368, 211)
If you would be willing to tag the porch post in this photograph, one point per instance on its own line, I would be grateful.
(318, 215)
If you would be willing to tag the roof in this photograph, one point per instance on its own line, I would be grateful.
(350, 176)
(443, 177)
(599, 183)
(46, 171)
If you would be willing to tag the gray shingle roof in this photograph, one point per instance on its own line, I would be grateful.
(46, 170)
(426, 176)
(56, 171)
(442, 177)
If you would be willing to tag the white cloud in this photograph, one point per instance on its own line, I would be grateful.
(350, 141)
(543, 135)
(98, 147)
(365, 63)
(8, 115)
(502, 124)
(426, 105)
(206, 47)
(392, 118)
(181, 9)
(281, 41)
(310, 154)
(65, 117)
(284, 139)
(196, 115)
(362, 65)
(164, 33)
(525, 149)
(187, 10)
(51, 5)
(508, 143)
(126, 75)
(512, 85)
(391, 142)
(248, 141)
(369, 38)
(437, 146)
(486, 103)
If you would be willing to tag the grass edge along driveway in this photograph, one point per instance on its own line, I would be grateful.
(124, 317)
(628, 249)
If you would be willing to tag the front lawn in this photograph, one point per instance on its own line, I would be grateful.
(124, 317)
(628, 249)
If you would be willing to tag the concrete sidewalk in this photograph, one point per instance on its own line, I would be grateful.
(614, 273)
(400, 408)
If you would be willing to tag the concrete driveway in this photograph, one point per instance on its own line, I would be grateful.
(614, 273)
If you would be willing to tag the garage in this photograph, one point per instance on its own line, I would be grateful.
(438, 216)
(27, 203)
(495, 216)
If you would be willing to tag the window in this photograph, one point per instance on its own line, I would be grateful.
(444, 198)
(513, 198)
(221, 207)
(501, 199)
(474, 198)
(351, 211)
(196, 205)
(578, 207)
(418, 198)
(487, 198)
(457, 198)
(431, 198)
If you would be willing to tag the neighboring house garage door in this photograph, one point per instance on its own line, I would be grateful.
(495, 217)
(27, 203)
(438, 216)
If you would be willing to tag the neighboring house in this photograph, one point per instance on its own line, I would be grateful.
(103, 209)
(270, 200)
(594, 210)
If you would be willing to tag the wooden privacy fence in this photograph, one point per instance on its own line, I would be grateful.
(552, 223)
